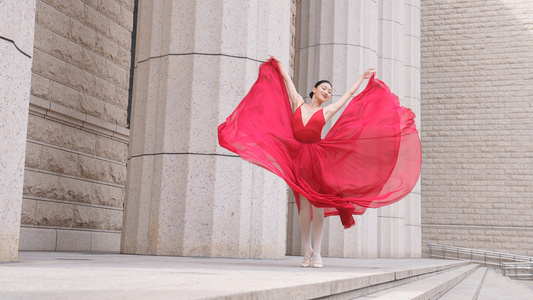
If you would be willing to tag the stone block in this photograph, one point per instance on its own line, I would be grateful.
(120, 97)
(95, 169)
(33, 155)
(127, 4)
(117, 173)
(82, 80)
(104, 89)
(96, 218)
(117, 74)
(73, 240)
(40, 86)
(43, 38)
(122, 57)
(53, 19)
(82, 34)
(73, 8)
(91, 105)
(28, 212)
(66, 50)
(126, 18)
(107, 195)
(120, 35)
(111, 149)
(115, 115)
(48, 186)
(37, 239)
(107, 48)
(94, 63)
(96, 20)
(108, 242)
(110, 9)
(48, 66)
(78, 140)
(93, 3)
(54, 214)
(64, 95)
(58, 161)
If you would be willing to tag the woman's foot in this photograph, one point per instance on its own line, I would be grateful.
(307, 259)
(317, 260)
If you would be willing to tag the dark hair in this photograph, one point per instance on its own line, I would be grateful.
(319, 83)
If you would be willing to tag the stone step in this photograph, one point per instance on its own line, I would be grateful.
(428, 288)
(115, 276)
(468, 289)
(498, 287)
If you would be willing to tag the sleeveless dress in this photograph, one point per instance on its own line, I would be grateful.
(371, 157)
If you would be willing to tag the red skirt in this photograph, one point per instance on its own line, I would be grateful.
(370, 158)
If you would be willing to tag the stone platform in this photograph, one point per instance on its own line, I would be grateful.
(64, 275)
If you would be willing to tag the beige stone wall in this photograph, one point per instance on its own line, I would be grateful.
(477, 122)
(77, 139)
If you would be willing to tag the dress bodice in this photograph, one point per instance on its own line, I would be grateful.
(310, 132)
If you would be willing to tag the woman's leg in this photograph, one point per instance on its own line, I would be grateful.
(318, 230)
(305, 227)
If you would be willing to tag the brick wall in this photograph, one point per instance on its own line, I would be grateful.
(77, 136)
(477, 124)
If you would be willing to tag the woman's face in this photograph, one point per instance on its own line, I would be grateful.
(322, 92)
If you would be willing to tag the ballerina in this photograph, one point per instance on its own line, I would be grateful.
(371, 157)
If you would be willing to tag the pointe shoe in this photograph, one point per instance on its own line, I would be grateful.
(307, 260)
(317, 264)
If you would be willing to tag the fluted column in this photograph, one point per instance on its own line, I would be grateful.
(399, 232)
(338, 40)
(411, 98)
(186, 195)
(17, 25)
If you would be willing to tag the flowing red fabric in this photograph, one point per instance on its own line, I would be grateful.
(371, 157)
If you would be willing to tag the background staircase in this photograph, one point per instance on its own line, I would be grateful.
(470, 281)
(483, 278)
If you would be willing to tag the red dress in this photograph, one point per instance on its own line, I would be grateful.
(371, 157)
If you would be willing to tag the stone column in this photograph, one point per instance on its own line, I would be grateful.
(337, 41)
(16, 51)
(411, 98)
(399, 232)
(195, 61)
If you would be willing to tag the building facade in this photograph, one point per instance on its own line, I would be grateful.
(163, 186)
(477, 120)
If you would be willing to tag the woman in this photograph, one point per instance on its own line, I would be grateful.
(371, 157)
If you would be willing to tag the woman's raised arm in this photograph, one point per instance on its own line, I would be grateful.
(296, 99)
(333, 108)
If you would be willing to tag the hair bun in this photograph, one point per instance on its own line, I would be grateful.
(311, 95)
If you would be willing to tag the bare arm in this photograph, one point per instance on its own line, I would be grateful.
(296, 99)
(333, 108)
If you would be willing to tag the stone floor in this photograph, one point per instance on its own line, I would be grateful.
(61, 275)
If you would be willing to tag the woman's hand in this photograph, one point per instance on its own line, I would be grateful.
(272, 57)
(368, 73)
(294, 97)
(281, 67)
